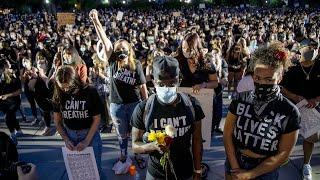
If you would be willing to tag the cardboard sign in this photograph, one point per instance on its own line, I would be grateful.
(202, 6)
(119, 16)
(241, 5)
(176, 14)
(205, 97)
(65, 18)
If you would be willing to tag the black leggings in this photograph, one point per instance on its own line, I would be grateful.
(46, 108)
(9, 108)
(31, 99)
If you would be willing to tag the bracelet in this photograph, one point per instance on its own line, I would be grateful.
(197, 171)
(204, 85)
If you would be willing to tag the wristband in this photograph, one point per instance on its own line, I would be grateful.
(197, 171)
(204, 85)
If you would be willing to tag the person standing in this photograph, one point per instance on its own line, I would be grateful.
(10, 90)
(127, 87)
(262, 126)
(167, 107)
(301, 83)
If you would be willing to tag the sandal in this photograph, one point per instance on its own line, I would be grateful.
(140, 162)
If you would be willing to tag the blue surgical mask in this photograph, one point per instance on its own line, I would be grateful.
(166, 94)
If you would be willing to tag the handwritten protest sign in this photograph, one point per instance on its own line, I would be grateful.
(65, 18)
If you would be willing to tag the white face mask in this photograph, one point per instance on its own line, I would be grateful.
(166, 95)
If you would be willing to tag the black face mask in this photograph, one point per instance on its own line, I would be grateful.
(265, 92)
(121, 54)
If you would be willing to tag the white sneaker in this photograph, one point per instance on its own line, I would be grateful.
(307, 172)
(19, 133)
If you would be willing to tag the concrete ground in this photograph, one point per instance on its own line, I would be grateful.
(45, 152)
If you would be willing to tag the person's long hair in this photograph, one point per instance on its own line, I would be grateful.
(131, 57)
(8, 73)
(194, 42)
(66, 75)
(76, 59)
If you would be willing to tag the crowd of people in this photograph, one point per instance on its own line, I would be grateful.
(262, 57)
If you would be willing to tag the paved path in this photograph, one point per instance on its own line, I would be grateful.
(45, 152)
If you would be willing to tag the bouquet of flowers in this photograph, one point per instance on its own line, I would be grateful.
(164, 139)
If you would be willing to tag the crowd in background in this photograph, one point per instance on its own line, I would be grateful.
(32, 47)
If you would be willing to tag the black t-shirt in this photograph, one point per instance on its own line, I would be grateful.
(78, 109)
(201, 74)
(261, 133)
(295, 81)
(160, 116)
(6, 88)
(124, 83)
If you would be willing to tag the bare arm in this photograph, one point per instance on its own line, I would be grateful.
(93, 128)
(287, 142)
(213, 81)
(296, 98)
(144, 91)
(228, 142)
(101, 34)
(196, 145)
(137, 144)
(57, 117)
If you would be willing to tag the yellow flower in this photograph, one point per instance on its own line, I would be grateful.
(160, 138)
(152, 136)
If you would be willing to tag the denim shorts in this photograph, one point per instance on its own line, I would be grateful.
(121, 116)
(76, 136)
(250, 163)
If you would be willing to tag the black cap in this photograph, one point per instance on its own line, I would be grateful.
(165, 68)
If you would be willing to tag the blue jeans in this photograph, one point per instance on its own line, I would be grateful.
(76, 136)
(121, 116)
(245, 164)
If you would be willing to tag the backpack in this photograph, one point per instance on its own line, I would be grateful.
(150, 104)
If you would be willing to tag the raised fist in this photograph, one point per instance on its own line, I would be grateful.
(93, 14)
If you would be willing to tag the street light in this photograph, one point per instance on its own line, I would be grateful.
(187, 1)
(105, 1)
(47, 1)
(123, 2)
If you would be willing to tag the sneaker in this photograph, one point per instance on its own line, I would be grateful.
(121, 167)
(307, 172)
(35, 122)
(19, 133)
(47, 131)
(14, 138)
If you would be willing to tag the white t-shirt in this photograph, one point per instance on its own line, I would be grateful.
(245, 84)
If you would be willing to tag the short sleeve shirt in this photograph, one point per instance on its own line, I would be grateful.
(124, 83)
(78, 109)
(162, 115)
(261, 133)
